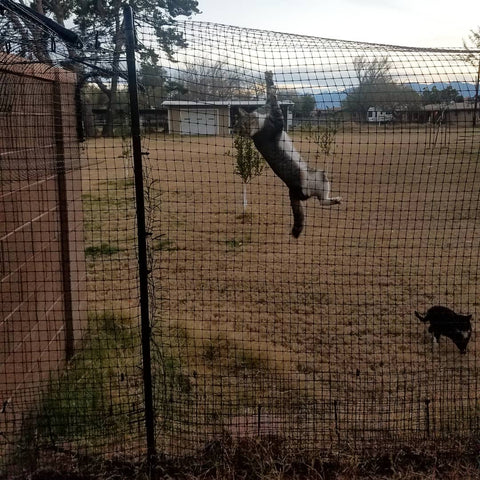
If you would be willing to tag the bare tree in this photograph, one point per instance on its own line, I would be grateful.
(376, 70)
(214, 81)
(472, 45)
(473, 57)
(376, 88)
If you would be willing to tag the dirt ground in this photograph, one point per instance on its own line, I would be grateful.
(315, 339)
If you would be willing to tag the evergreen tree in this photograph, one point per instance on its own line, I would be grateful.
(100, 23)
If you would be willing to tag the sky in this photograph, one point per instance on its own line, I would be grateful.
(413, 23)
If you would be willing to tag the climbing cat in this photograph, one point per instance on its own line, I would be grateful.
(271, 140)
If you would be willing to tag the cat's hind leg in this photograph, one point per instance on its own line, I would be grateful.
(319, 186)
(330, 201)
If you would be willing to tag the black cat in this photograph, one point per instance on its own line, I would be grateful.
(271, 140)
(446, 322)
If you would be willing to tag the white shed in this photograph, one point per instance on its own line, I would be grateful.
(212, 118)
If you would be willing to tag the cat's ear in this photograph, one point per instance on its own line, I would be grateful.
(242, 112)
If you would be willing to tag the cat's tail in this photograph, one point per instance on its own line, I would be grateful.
(422, 319)
(298, 214)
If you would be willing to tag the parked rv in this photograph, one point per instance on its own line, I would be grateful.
(376, 115)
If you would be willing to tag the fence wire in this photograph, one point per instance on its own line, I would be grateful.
(310, 339)
(71, 380)
(313, 339)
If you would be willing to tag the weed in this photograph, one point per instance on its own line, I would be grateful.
(122, 183)
(235, 243)
(102, 249)
(108, 201)
(163, 244)
(213, 349)
(84, 403)
(175, 377)
(270, 457)
(245, 217)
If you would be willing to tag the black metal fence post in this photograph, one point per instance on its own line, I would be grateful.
(141, 231)
(60, 170)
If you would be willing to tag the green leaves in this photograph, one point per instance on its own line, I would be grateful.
(249, 163)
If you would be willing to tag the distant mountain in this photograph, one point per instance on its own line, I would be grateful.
(463, 88)
(328, 100)
(333, 99)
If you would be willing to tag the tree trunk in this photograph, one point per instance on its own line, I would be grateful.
(108, 129)
(245, 202)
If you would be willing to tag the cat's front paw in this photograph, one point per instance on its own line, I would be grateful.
(336, 200)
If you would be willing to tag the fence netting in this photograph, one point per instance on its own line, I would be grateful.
(308, 338)
(70, 381)
(312, 339)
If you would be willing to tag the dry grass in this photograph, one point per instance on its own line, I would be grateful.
(319, 332)
(312, 341)
(268, 458)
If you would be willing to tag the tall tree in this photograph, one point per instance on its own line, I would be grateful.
(156, 86)
(33, 41)
(472, 46)
(304, 105)
(376, 88)
(103, 20)
(203, 81)
(435, 95)
(102, 23)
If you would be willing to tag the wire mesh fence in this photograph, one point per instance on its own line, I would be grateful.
(270, 314)
(71, 372)
(314, 338)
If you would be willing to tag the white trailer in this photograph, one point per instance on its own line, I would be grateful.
(377, 115)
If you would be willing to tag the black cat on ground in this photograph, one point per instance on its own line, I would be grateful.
(444, 321)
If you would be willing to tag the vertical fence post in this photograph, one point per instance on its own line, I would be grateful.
(60, 171)
(141, 231)
(427, 417)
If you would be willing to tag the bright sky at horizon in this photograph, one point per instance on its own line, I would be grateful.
(415, 23)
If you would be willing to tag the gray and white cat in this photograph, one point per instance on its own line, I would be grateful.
(275, 145)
